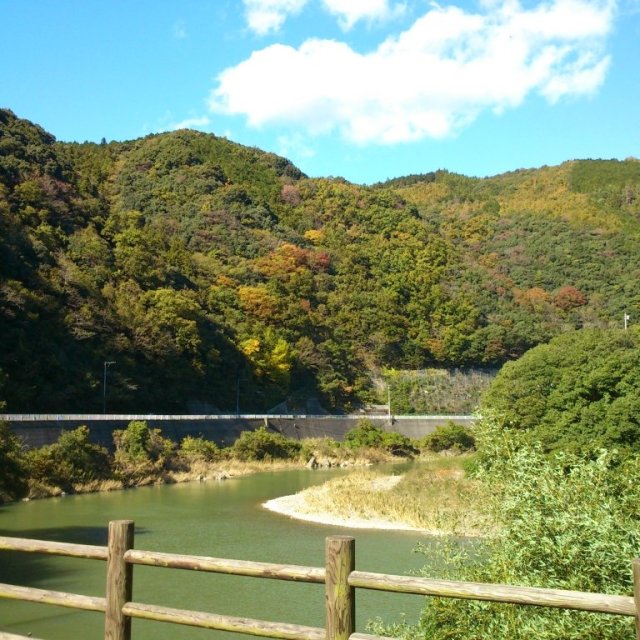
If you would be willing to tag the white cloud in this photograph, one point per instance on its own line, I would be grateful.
(266, 16)
(351, 11)
(190, 123)
(431, 80)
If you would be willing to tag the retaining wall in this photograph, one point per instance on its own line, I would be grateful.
(37, 430)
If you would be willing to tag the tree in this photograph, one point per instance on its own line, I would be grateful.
(580, 392)
(551, 530)
(264, 445)
(141, 452)
(72, 460)
(13, 485)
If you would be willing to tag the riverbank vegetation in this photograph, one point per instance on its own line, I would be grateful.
(558, 456)
(142, 455)
(566, 522)
(434, 496)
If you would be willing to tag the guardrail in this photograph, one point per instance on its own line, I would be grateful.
(338, 575)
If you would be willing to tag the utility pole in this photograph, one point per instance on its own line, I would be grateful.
(107, 364)
(389, 403)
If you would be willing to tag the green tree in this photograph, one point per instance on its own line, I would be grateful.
(553, 530)
(577, 393)
(368, 435)
(451, 436)
(264, 445)
(13, 471)
(70, 461)
(141, 452)
(194, 449)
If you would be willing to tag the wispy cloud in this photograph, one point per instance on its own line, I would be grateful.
(295, 145)
(348, 13)
(190, 123)
(431, 80)
(266, 16)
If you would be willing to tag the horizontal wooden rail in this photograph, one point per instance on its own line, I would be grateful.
(60, 598)
(88, 551)
(339, 576)
(13, 636)
(595, 602)
(261, 628)
(222, 565)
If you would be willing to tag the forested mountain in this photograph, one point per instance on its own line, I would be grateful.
(207, 270)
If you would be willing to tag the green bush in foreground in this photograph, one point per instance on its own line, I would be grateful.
(566, 523)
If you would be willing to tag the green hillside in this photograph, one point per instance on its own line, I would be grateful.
(210, 271)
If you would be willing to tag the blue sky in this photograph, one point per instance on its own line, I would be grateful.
(363, 89)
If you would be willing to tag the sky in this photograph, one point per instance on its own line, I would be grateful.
(362, 89)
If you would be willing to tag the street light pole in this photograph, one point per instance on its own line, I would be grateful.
(107, 364)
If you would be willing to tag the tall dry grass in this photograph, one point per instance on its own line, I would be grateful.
(434, 495)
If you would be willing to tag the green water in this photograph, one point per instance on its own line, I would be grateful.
(221, 519)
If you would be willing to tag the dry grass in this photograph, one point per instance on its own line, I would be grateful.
(434, 495)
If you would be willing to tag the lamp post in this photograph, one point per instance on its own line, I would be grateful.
(107, 364)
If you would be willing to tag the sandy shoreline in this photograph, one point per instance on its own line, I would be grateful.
(296, 506)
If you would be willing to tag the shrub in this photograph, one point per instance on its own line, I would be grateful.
(368, 435)
(12, 466)
(365, 434)
(140, 451)
(553, 529)
(73, 459)
(264, 445)
(193, 449)
(447, 437)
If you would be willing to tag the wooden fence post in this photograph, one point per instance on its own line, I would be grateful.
(340, 601)
(117, 626)
(636, 593)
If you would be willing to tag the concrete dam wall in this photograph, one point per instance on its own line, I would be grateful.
(37, 430)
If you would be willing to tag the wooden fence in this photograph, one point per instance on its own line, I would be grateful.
(338, 575)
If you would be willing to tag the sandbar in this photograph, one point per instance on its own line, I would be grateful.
(296, 506)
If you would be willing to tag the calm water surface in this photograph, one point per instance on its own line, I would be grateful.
(222, 519)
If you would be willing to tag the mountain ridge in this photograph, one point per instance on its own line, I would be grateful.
(221, 274)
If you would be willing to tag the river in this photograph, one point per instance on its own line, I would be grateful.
(222, 519)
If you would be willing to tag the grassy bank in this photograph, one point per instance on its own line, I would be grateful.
(433, 495)
(143, 456)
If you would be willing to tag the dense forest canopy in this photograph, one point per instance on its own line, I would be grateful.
(216, 275)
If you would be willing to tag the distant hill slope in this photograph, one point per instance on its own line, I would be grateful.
(213, 273)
